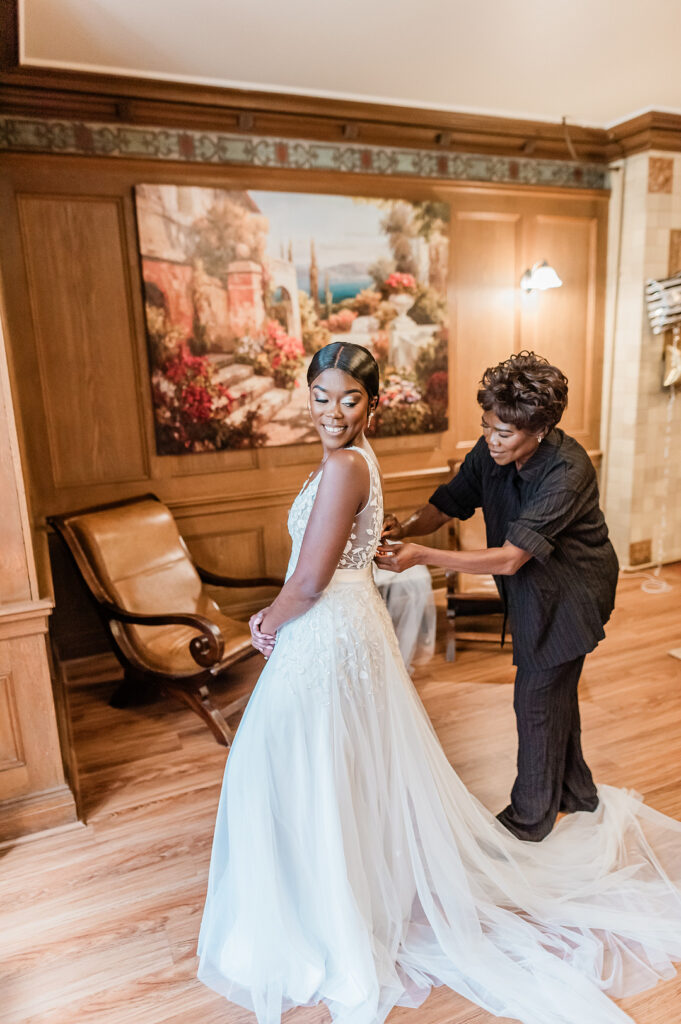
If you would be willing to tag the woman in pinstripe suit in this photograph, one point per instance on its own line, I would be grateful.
(555, 568)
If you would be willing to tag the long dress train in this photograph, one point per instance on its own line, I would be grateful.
(351, 865)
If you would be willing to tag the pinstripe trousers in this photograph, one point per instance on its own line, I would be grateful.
(552, 773)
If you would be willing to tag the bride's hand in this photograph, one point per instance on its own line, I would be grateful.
(392, 528)
(263, 642)
(398, 557)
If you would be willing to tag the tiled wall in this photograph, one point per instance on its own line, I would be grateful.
(642, 473)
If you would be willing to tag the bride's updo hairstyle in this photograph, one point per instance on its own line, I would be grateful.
(525, 390)
(355, 360)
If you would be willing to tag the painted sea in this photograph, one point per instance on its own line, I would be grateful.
(339, 286)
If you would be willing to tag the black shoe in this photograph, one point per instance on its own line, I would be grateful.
(529, 834)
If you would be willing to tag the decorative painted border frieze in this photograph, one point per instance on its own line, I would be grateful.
(37, 135)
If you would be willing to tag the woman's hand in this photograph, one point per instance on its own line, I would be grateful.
(263, 642)
(398, 557)
(392, 528)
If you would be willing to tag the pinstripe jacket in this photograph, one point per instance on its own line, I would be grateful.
(559, 601)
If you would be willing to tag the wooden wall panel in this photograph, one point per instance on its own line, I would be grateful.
(486, 257)
(15, 559)
(29, 747)
(11, 746)
(563, 319)
(234, 552)
(33, 792)
(79, 296)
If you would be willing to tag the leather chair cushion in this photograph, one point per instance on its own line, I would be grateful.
(140, 558)
(143, 566)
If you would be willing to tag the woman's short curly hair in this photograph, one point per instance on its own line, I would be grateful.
(525, 390)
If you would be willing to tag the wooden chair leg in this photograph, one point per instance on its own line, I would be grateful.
(450, 641)
(199, 701)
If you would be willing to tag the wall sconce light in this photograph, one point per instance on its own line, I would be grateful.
(540, 277)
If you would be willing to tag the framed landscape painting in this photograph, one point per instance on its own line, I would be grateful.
(242, 287)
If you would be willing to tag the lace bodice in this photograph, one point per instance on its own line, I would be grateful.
(366, 528)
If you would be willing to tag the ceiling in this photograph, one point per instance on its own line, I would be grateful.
(597, 62)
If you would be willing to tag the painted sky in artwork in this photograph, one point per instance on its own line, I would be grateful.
(345, 231)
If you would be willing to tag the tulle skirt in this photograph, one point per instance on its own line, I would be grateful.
(408, 597)
(351, 865)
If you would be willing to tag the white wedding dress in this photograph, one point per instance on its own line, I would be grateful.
(351, 865)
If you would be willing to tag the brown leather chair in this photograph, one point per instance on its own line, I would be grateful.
(468, 594)
(166, 629)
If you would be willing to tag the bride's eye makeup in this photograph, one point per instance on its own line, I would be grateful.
(349, 404)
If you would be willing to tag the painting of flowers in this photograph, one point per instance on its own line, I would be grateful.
(241, 288)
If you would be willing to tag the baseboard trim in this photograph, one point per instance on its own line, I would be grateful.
(37, 812)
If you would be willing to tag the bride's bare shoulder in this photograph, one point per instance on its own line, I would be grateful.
(346, 468)
(347, 461)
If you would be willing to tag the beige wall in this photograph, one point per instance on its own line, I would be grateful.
(642, 472)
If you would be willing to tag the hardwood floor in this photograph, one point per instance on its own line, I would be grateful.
(98, 924)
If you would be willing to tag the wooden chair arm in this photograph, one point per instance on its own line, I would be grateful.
(206, 650)
(217, 580)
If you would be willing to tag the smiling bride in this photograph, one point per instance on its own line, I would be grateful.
(350, 864)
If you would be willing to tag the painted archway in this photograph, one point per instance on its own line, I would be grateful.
(283, 276)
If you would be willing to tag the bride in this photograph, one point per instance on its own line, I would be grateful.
(350, 864)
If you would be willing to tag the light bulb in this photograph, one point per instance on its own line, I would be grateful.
(540, 277)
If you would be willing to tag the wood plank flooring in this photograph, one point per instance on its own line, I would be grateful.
(98, 924)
